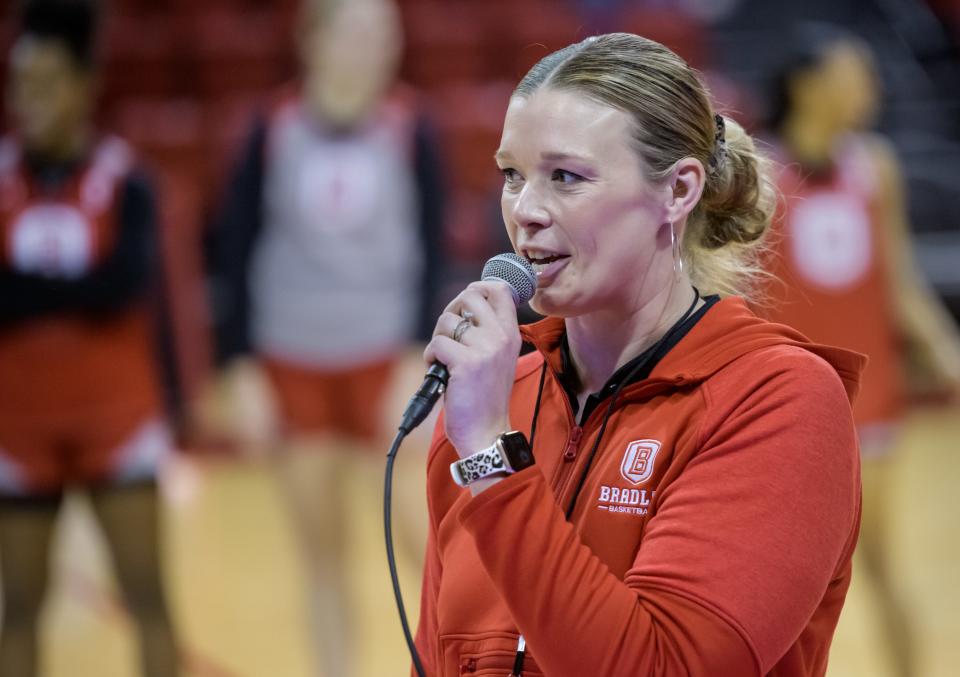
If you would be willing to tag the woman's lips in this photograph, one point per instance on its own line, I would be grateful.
(546, 268)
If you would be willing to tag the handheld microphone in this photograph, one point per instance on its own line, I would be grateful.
(516, 272)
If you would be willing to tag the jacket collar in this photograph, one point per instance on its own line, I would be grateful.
(729, 331)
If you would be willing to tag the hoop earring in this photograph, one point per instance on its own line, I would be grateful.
(675, 247)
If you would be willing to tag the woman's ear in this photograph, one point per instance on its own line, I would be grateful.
(686, 183)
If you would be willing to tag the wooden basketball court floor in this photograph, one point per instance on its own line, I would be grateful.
(238, 594)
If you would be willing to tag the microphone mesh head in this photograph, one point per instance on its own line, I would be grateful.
(516, 271)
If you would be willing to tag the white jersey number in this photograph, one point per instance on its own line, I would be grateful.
(52, 240)
(830, 240)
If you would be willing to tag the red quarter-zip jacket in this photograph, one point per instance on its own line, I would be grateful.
(713, 534)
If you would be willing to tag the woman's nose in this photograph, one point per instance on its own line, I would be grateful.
(529, 209)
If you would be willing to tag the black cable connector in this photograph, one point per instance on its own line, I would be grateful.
(426, 396)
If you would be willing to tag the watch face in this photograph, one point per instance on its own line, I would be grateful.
(516, 450)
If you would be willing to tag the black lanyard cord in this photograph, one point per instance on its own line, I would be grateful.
(536, 407)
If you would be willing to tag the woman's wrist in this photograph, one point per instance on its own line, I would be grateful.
(479, 486)
(468, 446)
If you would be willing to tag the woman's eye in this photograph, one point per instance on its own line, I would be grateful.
(509, 174)
(563, 176)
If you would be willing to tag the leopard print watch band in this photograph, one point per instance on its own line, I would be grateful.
(485, 463)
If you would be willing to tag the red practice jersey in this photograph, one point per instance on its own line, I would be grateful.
(832, 279)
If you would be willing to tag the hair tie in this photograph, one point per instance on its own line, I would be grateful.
(719, 143)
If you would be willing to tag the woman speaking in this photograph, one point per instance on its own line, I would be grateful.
(667, 485)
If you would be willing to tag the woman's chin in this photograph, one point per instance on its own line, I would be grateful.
(548, 303)
(540, 305)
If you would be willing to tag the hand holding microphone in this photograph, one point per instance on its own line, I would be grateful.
(473, 354)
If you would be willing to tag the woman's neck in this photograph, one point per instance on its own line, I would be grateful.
(810, 140)
(65, 149)
(600, 343)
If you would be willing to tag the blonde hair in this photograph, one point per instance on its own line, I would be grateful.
(723, 241)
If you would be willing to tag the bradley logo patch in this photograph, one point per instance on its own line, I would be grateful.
(637, 466)
(623, 500)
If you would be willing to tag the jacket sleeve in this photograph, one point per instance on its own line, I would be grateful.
(738, 555)
(123, 277)
(427, 628)
(230, 247)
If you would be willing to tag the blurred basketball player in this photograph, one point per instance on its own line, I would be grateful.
(844, 267)
(324, 260)
(80, 392)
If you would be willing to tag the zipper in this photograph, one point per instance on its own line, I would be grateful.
(571, 448)
(569, 461)
(494, 662)
(573, 444)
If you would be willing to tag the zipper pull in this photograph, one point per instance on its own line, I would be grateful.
(573, 443)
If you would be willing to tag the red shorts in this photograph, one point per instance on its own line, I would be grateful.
(40, 456)
(350, 402)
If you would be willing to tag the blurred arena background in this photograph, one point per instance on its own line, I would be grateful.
(181, 82)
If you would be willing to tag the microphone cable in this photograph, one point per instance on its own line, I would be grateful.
(391, 557)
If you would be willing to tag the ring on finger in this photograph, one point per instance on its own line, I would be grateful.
(461, 329)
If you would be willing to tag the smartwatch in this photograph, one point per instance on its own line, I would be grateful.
(510, 453)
